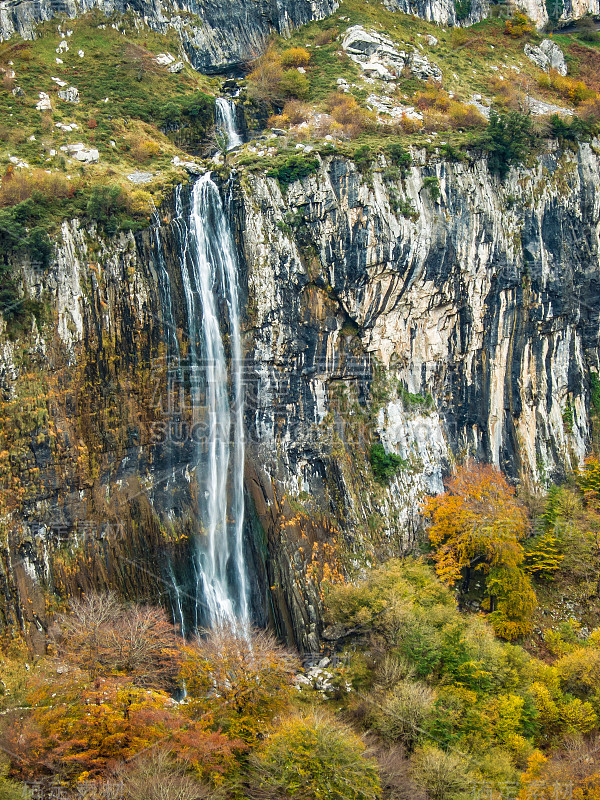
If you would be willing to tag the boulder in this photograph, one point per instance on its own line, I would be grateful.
(66, 128)
(421, 67)
(547, 56)
(140, 177)
(164, 59)
(69, 95)
(176, 67)
(79, 151)
(44, 103)
(379, 57)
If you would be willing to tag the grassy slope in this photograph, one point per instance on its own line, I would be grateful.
(481, 60)
(120, 65)
(117, 64)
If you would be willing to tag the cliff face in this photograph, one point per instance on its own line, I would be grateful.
(486, 300)
(469, 325)
(217, 36)
(221, 36)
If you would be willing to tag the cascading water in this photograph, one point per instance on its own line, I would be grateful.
(226, 123)
(213, 260)
(209, 273)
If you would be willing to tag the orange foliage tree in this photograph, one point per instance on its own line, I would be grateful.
(478, 525)
(77, 729)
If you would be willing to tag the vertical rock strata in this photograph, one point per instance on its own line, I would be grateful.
(470, 325)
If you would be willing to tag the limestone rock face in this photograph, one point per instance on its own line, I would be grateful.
(547, 56)
(378, 56)
(215, 36)
(464, 301)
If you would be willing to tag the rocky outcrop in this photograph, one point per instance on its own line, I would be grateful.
(547, 56)
(438, 314)
(217, 36)
(378, 57)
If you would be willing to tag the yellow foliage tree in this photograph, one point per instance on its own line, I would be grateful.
(243, 683)
(478, 524)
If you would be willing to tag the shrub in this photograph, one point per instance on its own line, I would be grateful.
(326, 36)
(589, 110)
(240, 682)
(572, 90)
(296, 112)
(145, 149)
(263, 82)
(518, 26)
(315, 757)
(410, 124)
(11, 790)
(543, 555)
(345, 110)
(157, 776)
(480, 521)
(512, 601)
(18, 186)
(432, 184)
(140, 203)
(39, 247)
(294, 84)
(443, 775)
(384, 465)
(362, 157)
(105, 636)
(466, 117)
(187, 120)
(79, 730)
(294, 168)
(433, 97)
(402, 714)
(295, 57)
(105, 206)
(508, 140)
(462, 9)
(399, 156)
(586, 30)
(16, 239)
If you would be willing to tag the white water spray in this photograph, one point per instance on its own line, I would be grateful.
(210, 275)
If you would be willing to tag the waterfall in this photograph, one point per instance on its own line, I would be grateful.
(226, 122)
(209, 272)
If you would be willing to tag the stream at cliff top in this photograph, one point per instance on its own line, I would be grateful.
(226, 123)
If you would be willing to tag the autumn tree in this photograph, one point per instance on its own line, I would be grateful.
(314, 757)
(79, 729)
(477, 525)
(242, 680)
(104, 636)
(156, 775)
